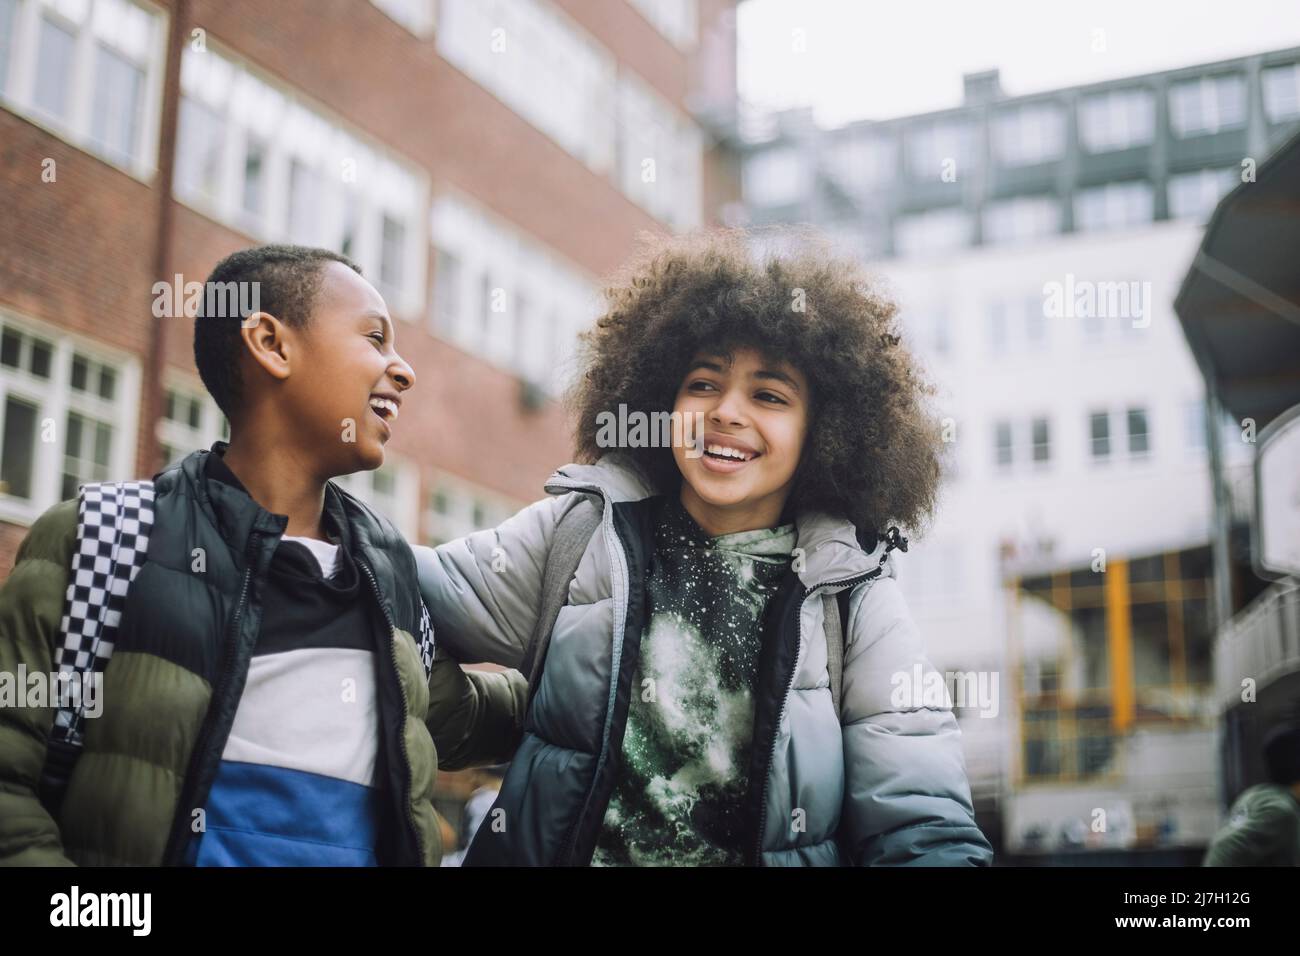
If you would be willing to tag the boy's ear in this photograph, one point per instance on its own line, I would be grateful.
(264, 338)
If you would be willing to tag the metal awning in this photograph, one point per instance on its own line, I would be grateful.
(1239, 303)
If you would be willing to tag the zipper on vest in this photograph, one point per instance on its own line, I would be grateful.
(175, 842)
(407, 783)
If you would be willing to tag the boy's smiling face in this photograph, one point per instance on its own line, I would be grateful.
(340, 378)
(755, 412)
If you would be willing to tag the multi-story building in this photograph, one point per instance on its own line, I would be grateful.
(1035, 244)
(486, 162)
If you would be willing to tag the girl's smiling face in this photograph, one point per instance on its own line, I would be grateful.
(755, 412)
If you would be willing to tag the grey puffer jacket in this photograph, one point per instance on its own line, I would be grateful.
(875, 784)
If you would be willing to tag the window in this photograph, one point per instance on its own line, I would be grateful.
(392, 490)
(936, 230)
(253, 199)
(304, 203)
(8, 16)
(66, 417)
(191, 420)
(86, 455)
(198, 150)
(1003, 450)
(1099, 429)
(1112, 206)
(860, 161)
(1027, 442)
(482, 260)
(456, 508)
(659, 154)
(1118, 119)
(1139, 442)
(446, 296)
(542, 65)
(261, 159)
(119, 84)
(1207, 105)
(393, 249)
(1194, 195)
(93, 73)
(1281, 92)
(1136, 426)
(1041, 440)
(1016, 220)
(55, 47)
(1029, 134)
(930, 145)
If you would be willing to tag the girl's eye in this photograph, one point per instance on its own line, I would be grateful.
(700, 385)
(771, 398)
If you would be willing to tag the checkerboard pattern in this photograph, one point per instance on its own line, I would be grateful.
(113, 525)
(426, 640)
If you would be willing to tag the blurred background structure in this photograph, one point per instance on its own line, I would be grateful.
(1109, 367)
(1035, 244)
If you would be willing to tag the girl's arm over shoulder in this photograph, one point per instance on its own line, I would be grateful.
(484, 590)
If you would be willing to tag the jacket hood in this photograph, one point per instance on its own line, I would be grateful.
(832, 548)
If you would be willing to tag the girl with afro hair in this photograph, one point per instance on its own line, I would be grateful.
(722, 669)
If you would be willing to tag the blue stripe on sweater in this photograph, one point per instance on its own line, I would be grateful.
(271, 816)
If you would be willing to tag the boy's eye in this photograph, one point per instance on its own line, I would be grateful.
(378, 337)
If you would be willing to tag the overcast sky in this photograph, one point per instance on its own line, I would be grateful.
(869, 59)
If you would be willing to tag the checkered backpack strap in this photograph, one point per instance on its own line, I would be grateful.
(113, 524)
(427, 647)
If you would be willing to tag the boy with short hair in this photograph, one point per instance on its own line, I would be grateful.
(272, 696)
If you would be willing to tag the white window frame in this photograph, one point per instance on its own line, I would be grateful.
(1122, 204)
(19, 88)
(1208, 186)
(54, 400)
(561, 298)
(1022, 461)
(212, 423)
(1021, 219)
(1197, 106)
(1281, 80)
(1117, 119)
(463, 497)
(1119, 437)
(375, 183)
(1030, 134)
(404, 508)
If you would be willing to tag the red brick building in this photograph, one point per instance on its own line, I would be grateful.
(485, 162)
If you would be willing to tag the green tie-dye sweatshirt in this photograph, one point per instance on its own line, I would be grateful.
(685, 768)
